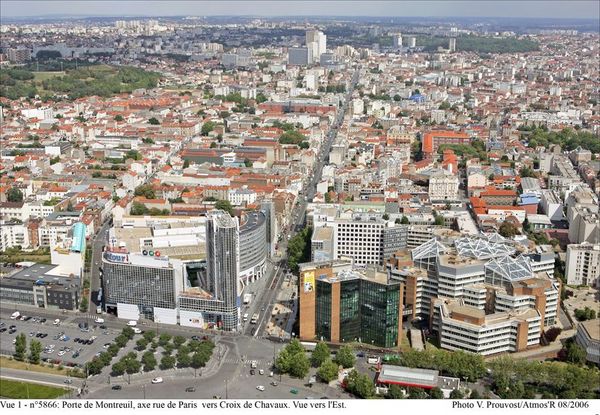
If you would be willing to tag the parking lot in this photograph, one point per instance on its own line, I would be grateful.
(59, 341)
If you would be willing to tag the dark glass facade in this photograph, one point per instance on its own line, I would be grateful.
(379, 313)
(350, 310)
(323, 311)
(368, 311)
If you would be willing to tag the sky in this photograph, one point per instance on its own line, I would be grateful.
(441, 8)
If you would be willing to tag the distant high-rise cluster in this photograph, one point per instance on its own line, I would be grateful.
(315, 46)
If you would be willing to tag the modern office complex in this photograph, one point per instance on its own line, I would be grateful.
(253, 246)
(135, 284)
(583, 264)
(223, 265)
(340, 304)
(475, 287)
(588, 337)
(360, 238)
(41, 285)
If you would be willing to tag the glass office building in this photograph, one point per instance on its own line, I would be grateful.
(339, 305)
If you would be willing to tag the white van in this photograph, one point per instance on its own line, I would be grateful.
(245, 318)
(99, 320)
(373, 360)
(136, 330)
(15, 315)
(132, 323)
(56, 322)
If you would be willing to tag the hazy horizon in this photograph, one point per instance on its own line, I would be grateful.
(390, 9)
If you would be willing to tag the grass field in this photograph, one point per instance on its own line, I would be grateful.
(13, 259)
(24, 390)
(15, 364)
(41, 76)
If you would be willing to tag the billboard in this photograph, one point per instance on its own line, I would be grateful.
(309, 281)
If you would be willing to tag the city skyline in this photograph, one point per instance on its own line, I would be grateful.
(449, 9)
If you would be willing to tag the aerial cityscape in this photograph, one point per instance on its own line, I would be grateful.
(305, 203)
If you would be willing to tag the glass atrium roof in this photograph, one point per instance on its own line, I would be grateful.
(483, 248)
(430, 249)
(510, 269)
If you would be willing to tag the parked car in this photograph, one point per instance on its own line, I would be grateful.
(190, 389)
(116, 387)
(260, 388)
(157, 380)
(56, 322)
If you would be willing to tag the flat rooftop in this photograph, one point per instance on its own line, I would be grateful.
(592, 328)
(406, 376)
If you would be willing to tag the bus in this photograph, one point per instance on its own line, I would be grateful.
(254, 319)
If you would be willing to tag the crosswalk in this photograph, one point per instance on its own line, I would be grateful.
(239, 361)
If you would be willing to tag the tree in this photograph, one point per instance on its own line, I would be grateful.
(118, 368)
(128, 332)
(183, 359)
(404, 220)
(186, 164)
(121, 341)
(474, 394)
(149, 361)
(35, 351)
(345, 357)
(585, 314)
(149, 335)
(552, 333)
(178, 341)
(167, 362)
(360, 385)
(94, 367)
(224, 205)
(213, 145)
(14, 195)
(320, 354)
(260, 98)
(132, 366)
(395, 392)
(436, 393)
(291, 137)
(138, 209)
(20, 347)
(576, 354)
(198, 360)
(328, 371)
(207, 127)
(508, 230)
(456, 394)
(164, 339)
(299, 365)
(292, 359)
(417, 393)
(145, 190)
(153, 121)
(83, 305)
(141, 344)
(119, 118)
